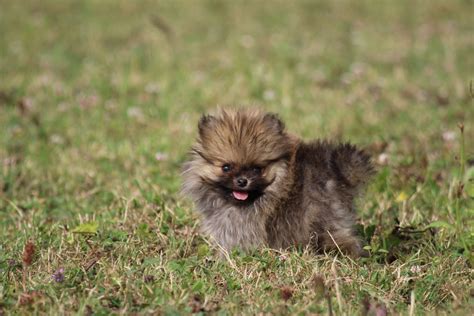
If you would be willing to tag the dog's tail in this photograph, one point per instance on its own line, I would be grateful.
(352, 166)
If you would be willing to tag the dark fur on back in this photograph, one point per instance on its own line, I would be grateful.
(295, 193)
(329, 176)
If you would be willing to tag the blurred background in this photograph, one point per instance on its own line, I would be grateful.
(115, 88)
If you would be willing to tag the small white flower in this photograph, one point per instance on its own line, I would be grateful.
(160, 156)
(383, 159)
(415, 269)
(152, 88)
(110, 105)
(135, 112)
(269, 95)
(247, 41)
(56, 139)
(282, 258)
(449, 136)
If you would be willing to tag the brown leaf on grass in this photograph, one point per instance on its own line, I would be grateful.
(286, 292)
(88, 311)
(162, 25)
(196, 304)
(25, 105)
(378, 150)
(319, 286)
(412, 172)
(28, 253)
(148, 278)
(94, 258)
(30, 298)
(5, 98)
(377, 147)
(370, 308)
(441, 98)
(459, 190)
(26, 108)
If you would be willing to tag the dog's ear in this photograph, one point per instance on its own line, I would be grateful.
(205, 122)
(274, 121)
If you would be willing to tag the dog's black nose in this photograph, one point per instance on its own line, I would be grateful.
(242, 182)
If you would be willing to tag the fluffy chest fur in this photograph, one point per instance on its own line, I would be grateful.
(232, 227)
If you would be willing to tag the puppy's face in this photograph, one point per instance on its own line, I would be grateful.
(242, 155)
(242, 183)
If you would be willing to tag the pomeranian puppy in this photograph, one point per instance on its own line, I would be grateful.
(256, 185)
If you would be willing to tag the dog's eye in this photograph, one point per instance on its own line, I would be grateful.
(257, 170)
(226, 168)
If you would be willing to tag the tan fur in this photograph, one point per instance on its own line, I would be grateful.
(308, 191)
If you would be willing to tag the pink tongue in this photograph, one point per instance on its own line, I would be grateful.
(242, 196)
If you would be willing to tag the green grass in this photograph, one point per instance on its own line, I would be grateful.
(91, 91)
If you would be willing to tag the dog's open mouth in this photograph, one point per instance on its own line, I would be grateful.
(245, 197)
(240, 195)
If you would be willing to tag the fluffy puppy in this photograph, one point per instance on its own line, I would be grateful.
(255, 185)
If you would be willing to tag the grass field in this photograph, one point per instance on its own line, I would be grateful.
(99, 102)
